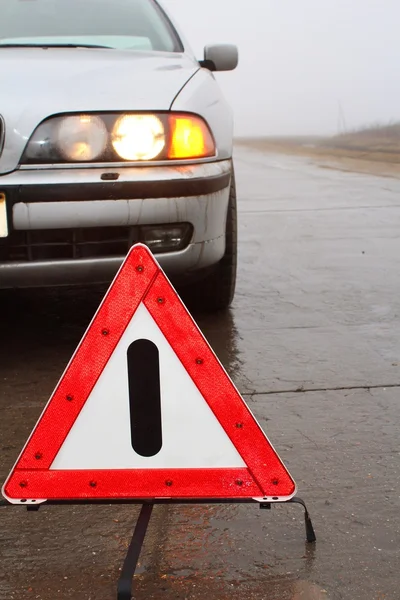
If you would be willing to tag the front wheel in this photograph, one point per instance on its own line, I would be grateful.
(216, 291)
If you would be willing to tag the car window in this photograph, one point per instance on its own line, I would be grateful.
(122, 24)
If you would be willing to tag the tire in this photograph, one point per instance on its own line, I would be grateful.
(215, 292)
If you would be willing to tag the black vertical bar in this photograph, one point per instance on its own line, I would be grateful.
(145, 397)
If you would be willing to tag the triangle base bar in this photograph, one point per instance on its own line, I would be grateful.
(150, 483)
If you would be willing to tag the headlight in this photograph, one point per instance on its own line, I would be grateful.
(110, 138)
(82, 138)
(138, 137)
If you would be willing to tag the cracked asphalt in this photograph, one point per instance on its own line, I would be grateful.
(312, 341)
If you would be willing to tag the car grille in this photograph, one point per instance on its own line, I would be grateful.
(2, 133)
(67, 244)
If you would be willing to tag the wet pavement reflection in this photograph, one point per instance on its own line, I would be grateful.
(312, 340)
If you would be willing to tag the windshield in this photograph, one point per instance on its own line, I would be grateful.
(122, 24)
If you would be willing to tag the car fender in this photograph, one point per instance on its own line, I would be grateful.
(203, 96)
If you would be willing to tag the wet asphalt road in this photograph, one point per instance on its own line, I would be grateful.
(312, 340)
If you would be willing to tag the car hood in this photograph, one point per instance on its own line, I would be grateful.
(37, 83)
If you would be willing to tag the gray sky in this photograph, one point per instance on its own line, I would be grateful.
(302, 59)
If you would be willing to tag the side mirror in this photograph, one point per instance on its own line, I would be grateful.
(220, 57)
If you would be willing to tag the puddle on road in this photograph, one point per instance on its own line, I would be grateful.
(202, 587)
(225, 552)
(304, 590)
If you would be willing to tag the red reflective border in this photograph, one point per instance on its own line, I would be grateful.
(140, 279)
(150, 483)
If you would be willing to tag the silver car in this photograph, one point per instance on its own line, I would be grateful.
(111, 133)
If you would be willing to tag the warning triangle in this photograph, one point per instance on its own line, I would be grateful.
(145, 410)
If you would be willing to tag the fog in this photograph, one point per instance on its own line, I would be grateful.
(306, 66)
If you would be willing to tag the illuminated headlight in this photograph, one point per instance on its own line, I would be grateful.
(138, 137)
(110, 138)
(82, 138)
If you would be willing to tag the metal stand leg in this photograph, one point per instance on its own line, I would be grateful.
(311, 537)
(132, 557)
(310, 534)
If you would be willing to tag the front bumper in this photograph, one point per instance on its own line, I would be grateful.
(121, 197)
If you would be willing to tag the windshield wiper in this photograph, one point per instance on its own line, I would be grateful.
(44, 46)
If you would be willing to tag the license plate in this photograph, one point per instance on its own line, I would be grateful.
(3, 216)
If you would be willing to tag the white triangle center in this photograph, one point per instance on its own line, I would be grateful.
(101, 437)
